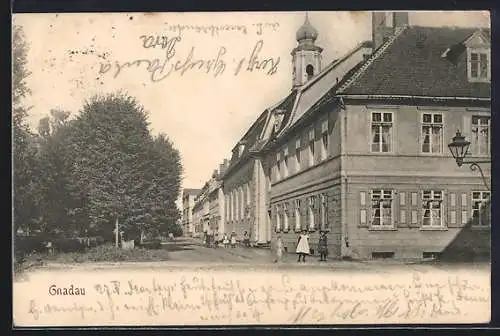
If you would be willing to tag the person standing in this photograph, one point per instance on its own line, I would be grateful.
(279, 249)
(303, 246)
(323, 246)
(225, 241)
(233, 239)
(246, 239)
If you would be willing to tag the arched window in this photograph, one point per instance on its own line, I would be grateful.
(309, 71)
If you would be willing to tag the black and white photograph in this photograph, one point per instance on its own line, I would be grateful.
(251, 168)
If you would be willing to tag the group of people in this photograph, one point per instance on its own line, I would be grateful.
(212, 240)
(303, 248)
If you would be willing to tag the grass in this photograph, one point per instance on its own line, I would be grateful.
(103, 253)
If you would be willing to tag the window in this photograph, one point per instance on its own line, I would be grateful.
(432, 203)
(297, 215)
(381, 132)
(309, 71)
(312, 225)
(278, 219)
(278, 175)
(324, 218)
(382, 208)
(324, 140)
(242, 204)
(297, 155)
(479, 66)
(285, 162)
(481, 208)
(480, 139)
(285, 217)
(248, 200)
(432, 133)
(311, 148)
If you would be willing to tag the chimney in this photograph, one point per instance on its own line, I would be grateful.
(226, 164)
(384, 25)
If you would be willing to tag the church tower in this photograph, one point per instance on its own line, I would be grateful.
(306, 57)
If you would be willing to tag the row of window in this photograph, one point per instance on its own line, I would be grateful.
(431, 131)
(237, 202)
(283, 167)
(382, 126)
(381, 210)
(291, 217)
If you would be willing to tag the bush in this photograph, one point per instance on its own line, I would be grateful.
(28, 244)
(109, 253)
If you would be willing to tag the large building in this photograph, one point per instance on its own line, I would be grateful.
(358, 147)
(188, 196)
(366, 160)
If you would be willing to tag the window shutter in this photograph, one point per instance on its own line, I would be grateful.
(364, 199)
(444, 208)
(466, 126)
(464, 217)
(463, 200)
(452, 211)
(414, 221)
(401, 209)
(395, 208)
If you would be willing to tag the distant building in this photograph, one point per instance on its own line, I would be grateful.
(188, 196)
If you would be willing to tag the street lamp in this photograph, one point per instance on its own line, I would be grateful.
(459, 148)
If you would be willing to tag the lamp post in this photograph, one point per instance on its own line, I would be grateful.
(459, 148)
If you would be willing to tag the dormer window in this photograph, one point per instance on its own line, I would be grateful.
(478, 58)
(479, 66)
(241, 148)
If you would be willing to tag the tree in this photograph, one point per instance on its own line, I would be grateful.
(54, 183)
(24, 148)
(120, 169)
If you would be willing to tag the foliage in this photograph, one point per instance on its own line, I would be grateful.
(77, 176)
(24, 148)
(105, 165)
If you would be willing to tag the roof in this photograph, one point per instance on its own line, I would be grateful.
(188, 191)
(259, 133)
(413, 65)
(320, 87)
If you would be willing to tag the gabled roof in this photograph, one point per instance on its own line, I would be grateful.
(260, 132)
(421, 61)
(319, 87)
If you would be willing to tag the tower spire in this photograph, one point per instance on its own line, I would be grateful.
(307, 55)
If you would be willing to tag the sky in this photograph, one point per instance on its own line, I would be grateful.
(203, 111)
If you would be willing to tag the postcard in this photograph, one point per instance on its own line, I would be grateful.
(251, 168)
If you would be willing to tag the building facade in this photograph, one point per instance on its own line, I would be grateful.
(366, 159)
(358, 148)
(187, 224)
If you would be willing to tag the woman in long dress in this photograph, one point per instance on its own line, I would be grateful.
(303, 246)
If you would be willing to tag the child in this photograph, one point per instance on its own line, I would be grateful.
(233, 240)
(303, 246)
(225, 241)
(323, 246)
